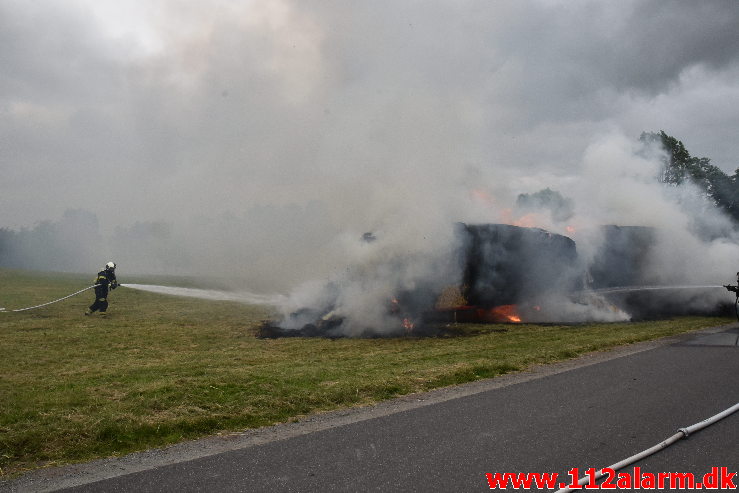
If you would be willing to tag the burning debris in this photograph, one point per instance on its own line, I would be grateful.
(495, 273)
(483, 278)
(330, 325)
(505, 313)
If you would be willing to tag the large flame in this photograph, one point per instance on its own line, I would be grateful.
(505, 313)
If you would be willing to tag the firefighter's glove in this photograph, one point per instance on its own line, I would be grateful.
(113, 285)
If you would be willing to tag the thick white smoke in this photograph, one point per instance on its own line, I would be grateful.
(617, 184)
(260, 140)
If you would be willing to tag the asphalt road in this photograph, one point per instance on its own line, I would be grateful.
(547, 421)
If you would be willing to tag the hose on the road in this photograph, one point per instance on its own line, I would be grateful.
(681, 433)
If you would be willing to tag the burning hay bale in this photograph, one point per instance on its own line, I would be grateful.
(508, 265)
(501, 270)
(499, 274)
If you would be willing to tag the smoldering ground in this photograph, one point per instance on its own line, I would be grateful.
(260, 140)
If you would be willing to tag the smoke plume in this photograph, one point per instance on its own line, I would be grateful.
(259, 141)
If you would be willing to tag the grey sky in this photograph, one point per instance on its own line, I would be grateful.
(183, 111)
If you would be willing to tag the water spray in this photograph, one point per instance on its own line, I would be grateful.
(629, 289)
(211, 294)
(207, 294)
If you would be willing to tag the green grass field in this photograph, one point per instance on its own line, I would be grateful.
(162, 369)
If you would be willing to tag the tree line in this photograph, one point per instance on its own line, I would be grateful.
(679, 167)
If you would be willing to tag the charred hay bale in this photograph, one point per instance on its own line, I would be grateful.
(506, 264)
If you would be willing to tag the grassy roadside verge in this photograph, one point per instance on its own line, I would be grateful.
(162, 369)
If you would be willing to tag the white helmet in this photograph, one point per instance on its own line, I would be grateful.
(110, 266)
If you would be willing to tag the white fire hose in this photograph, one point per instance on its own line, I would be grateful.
(681, 433)
(3, 310)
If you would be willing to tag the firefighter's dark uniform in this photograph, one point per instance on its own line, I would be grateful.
(105, 279)
(733, 288)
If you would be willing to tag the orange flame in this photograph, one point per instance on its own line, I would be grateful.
(506, 313)
(530, 220)
(394, 306)
(407, 325)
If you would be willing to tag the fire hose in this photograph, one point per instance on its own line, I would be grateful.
(681, 433)
(3, 310)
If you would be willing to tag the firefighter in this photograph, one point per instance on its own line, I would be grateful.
(734, 288)
(104, 281)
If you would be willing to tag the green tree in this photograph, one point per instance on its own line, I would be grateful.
(560, 208)
(679, 166)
